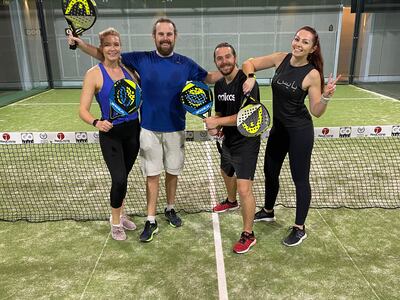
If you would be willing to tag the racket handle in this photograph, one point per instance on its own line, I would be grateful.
(72, 47)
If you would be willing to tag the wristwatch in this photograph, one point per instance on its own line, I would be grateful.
(251, 75)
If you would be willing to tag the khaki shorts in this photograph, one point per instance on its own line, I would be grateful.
(162, 151)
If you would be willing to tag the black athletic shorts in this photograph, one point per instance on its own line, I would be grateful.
(240, 158)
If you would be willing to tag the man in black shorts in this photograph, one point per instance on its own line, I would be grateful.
(239, 154)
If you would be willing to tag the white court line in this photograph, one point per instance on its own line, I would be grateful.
(375, 93)
(348, 255)
(95, 266)
(46, 104)
(219, 256)
(21, 101)
(352, 99)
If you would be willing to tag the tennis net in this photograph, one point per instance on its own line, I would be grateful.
(61, 175)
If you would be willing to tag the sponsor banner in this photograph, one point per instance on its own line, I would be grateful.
(82, 137)
(396, 130)
(189, 135)
(10, 138)
(327, 132)
(201, 135)
(379, 131)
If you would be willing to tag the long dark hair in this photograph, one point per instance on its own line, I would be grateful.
(315, 58)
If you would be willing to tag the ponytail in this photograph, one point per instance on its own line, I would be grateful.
(315, 58)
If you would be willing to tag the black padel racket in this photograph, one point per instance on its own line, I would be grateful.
(197, 98)
(80, 16)
(253, 118)
(125, 98)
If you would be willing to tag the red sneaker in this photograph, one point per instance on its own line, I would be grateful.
(225, 205)
(246, 241)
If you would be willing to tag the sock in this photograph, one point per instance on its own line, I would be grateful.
(151, 219)
(169, 207)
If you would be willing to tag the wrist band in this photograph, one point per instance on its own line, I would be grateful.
(325, 100)
(251, 75)
(94, 123)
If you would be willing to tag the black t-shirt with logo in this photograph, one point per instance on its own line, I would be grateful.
(228, 100)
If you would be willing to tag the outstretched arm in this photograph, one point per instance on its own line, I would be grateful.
(87, 48)
(213, 77)
(253, 65)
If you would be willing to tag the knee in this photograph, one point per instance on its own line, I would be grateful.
(244, 191)
(120, 183)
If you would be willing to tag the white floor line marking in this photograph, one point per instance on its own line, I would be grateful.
(375, 93)
(348, 255)
(46, 104)
(26, 99)
(95, 266)
(378, 97)
(219, 256)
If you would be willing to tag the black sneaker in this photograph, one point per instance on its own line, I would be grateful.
(262, 215)
(173, 218)
(149, 230)
(295, 237)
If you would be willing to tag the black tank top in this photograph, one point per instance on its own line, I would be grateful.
(288, 96)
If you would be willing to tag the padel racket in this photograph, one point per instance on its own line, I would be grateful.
(197, 98)
(253, 118)
(80, 16)
(125, 98)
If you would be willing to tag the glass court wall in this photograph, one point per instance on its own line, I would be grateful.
(254, 27)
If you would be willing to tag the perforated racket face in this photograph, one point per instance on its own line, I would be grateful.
(125, 98)
(253, 120)
(80, 14)
(196, 98)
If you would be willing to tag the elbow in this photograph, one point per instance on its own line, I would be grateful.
(316, 113)
(247, 64)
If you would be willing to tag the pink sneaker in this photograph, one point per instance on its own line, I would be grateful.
(118, 233)
(127, 224)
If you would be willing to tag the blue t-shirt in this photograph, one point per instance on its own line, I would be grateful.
(104, 102)
(162, 80)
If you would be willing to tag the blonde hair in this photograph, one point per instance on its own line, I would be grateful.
(109, 31)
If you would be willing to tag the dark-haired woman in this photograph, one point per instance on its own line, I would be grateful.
(297, 74)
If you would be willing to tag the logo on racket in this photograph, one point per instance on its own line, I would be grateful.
(253, 124)
(196, 98)
(125, 98)
(253, 119)
(80, 6)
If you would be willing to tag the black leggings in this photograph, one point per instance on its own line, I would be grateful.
(120, 147)
(298, 142)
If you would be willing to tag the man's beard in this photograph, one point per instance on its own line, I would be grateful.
(164, 51)
(226, 73)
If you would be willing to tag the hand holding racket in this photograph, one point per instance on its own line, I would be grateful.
(125, 98)
(253, 118)
(80, 16)
(197, 98)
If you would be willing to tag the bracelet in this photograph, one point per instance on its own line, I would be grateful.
(325, 100)
(94, 123)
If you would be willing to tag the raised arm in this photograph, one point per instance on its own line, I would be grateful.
(87, 48)
(253, 65)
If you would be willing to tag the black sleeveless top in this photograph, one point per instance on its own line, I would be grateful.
(288, 96)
